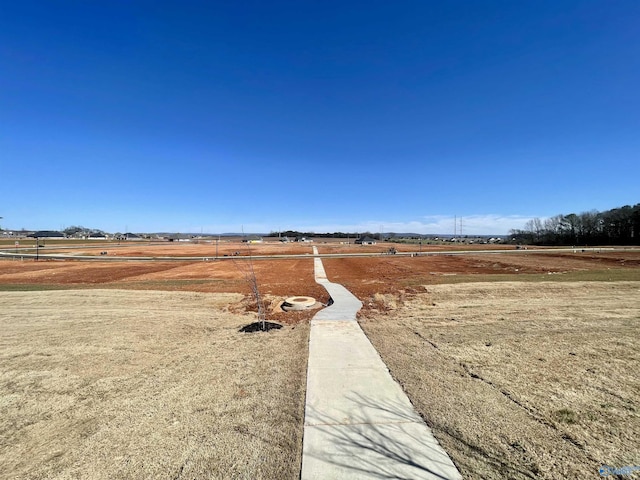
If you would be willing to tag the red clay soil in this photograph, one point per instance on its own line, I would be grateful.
(277, 279)
(364, 276)
(186, 249)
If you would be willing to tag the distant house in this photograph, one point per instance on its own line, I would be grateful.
(304, 239)
(46, 234)
(180, 237)
(131, 236)
(366, 241)
(284, 239)
(97, 236)
(253, 239)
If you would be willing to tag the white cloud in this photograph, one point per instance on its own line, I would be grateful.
(490, 224)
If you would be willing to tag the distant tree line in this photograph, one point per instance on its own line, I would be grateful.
(619, 226)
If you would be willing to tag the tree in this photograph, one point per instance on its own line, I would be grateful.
(246, 268)
(534, 226)
(616, 226)
(73, 230)
(588, 224)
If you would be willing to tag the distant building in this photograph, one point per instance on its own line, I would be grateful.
(98, 236)
(46, 234)
(180, 237)
(253, 239)
(366, 241)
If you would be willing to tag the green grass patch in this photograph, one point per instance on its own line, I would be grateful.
(565, 415)
(611, 275)
(37, 287)
(183, 284)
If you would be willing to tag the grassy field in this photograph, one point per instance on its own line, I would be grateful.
(110, 384)
(524, 365)
(520, 380)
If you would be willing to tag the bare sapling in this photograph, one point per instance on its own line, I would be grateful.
(249, 274)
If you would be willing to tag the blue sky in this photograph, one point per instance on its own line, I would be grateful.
(316, 115)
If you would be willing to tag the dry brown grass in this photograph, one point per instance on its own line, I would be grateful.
(111, 384)
(521, 380)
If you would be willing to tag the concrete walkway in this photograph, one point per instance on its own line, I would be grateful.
(358, 421)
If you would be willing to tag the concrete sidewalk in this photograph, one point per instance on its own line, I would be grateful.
(358, 421)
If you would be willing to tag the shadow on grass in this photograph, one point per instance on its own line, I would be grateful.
(260, 327)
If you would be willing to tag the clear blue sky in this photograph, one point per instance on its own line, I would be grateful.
(316, 115)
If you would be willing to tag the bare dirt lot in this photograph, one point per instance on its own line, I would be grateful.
(126, 384)
(365, 276)
(529, 379)
(278, 279)
(391, 274)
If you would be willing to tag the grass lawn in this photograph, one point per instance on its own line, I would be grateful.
(520, 379)
(520, 376)
(112, 384)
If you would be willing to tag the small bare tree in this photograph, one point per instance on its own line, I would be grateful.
(249, 274)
